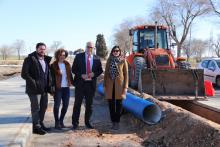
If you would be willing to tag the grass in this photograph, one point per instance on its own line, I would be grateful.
(193, 62)
(14, 61)
(13, 57)
(11, 62)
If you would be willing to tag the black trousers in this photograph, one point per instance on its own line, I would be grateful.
(115, 107)
(38, 108)
(86, 91)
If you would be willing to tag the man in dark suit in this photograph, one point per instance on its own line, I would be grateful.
(86, 67)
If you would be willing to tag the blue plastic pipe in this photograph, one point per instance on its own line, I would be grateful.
(143, 109)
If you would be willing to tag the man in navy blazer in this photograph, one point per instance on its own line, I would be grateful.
(86, 67)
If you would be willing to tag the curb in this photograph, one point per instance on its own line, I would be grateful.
(23, 135)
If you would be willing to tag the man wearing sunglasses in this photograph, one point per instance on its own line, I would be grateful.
(86, 67)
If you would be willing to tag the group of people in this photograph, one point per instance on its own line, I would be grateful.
(43, 77)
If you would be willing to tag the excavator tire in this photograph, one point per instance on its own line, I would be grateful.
(135, 72)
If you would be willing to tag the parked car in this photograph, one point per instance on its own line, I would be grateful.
(211, 68)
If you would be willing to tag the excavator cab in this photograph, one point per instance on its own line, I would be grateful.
(144, 38)
(157, 54)
(153, 70)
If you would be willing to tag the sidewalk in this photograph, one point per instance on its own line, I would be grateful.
(214, 101)
(15, 121)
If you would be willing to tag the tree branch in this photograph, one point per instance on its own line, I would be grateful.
(214, 8)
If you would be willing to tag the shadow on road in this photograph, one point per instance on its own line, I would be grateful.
(14, 119)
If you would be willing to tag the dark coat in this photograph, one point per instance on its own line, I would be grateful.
(57, 76)
(31, 72)
(79, 68)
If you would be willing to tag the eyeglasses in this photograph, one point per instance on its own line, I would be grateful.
(116, 51)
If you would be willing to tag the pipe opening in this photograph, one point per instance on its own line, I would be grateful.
(151, 114)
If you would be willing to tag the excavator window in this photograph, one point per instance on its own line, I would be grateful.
(147, 39)
(162, 60)
(135, 41)
(146, 43)
(144, 39)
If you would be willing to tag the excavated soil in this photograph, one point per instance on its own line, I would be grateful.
(178, 127)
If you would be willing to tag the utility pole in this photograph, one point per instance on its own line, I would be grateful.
(190, 39)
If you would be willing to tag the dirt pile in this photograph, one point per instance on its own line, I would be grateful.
(178, 127)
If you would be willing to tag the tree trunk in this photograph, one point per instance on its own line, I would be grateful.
(187, 58)
(178, 50)
(19, 57)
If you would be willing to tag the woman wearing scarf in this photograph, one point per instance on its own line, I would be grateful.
(115, 84)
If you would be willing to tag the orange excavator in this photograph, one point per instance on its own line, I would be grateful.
(154, 70)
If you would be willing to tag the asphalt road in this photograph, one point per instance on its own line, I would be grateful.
(217, 92)
(15, 125)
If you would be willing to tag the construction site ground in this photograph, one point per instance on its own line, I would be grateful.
(177, 128)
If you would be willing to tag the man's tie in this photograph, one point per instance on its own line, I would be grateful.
(88, 69)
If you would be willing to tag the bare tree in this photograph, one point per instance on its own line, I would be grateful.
(121, 35)
(19, 46)
(216, 46)
(216, 6)
(5, 51)
(199, 47)
(196, 48)
(179, 15)
(54, 46)
(187, 49)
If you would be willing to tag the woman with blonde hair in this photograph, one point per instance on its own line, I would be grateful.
(62, 77)
(115, 84)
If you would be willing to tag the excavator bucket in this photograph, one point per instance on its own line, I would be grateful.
(172, 84)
